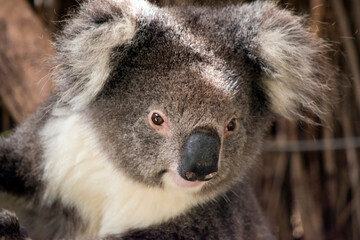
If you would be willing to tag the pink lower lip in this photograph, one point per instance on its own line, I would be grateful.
(178, 180)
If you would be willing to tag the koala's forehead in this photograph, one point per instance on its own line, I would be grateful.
(170, 57)
(160, 44)
(182, 89)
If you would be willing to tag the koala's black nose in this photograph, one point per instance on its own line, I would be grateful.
(200, 156)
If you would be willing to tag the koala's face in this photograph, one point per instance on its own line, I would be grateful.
(174, 126)
(170, 116)
(181, 98)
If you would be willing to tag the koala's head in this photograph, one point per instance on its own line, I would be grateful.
(181, 97)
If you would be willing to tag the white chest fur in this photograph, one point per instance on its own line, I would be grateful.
(79, 174)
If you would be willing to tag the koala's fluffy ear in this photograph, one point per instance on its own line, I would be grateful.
(297, 75)
(82, 62)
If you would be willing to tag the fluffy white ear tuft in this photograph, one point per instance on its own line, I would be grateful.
(84, 48)
(297, 74)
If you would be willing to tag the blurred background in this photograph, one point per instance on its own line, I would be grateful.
(308, 179)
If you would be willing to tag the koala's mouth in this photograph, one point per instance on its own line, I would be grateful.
(172, 180)
(181, 182)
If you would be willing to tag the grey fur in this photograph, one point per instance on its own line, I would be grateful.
(201, 66)
(10, 228)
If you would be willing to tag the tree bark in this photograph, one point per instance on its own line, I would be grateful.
(24, 50)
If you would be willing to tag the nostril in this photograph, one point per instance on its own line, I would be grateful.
(191, 176)
(210, 176)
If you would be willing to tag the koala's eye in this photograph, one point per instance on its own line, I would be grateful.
(231, 125)
(157, 119)
(160, 122)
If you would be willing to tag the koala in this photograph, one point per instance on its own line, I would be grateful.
(158, 116)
